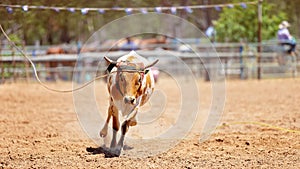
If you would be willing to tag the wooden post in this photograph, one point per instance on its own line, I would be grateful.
(259, 38)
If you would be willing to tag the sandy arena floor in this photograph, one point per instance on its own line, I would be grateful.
(40, 129)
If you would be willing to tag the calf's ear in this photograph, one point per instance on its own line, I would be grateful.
(109, 60)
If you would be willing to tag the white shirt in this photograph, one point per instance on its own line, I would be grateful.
(210, 31)
(284, 34)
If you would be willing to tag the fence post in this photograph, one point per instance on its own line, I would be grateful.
(259, 37)
(241, 49)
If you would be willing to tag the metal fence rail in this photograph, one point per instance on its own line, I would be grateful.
(238, 61)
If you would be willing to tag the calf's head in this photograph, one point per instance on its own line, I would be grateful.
(129, 78)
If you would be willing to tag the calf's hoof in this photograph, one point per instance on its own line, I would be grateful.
(113, 153)
(103, 133)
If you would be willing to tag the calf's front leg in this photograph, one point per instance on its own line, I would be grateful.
(110, 112)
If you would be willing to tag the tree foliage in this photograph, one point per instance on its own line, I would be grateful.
(235, 24)
(51, 27)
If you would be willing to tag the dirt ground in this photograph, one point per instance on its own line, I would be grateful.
(40, 129)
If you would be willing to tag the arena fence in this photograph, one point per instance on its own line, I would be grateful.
(239, 61)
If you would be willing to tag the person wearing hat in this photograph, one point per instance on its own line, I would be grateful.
(285, 38)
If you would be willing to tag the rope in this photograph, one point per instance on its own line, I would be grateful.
(43, 84)
(260, 124)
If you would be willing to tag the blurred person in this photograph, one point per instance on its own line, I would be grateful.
(129, 45)
(211, 32)
(285, 38)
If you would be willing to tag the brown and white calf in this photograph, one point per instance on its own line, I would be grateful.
(130, 85)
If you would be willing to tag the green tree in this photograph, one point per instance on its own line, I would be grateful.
(239, 23)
